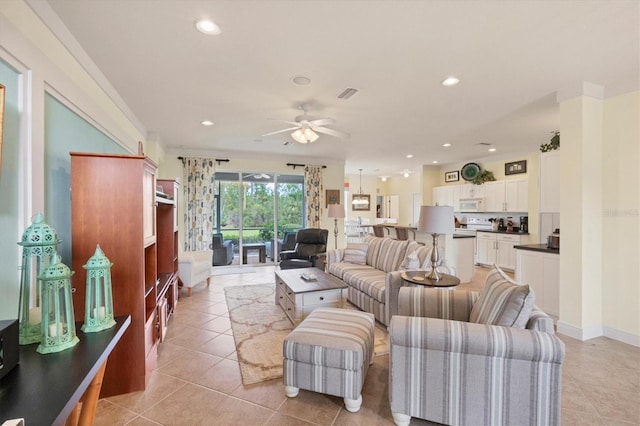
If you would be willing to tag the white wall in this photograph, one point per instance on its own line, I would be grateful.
(621, 218)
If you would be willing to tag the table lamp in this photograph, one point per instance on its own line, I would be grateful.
(336, 211)
(436, 220)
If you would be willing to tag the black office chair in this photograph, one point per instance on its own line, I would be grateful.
(310, 244)
(222, 251)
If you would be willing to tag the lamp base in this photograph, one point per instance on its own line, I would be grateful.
(335, 232)
(435, 259)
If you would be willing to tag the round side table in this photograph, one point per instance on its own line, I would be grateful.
(420, 278)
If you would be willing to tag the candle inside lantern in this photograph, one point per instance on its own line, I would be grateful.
(53, 329)
(35, 316)
(99, 313)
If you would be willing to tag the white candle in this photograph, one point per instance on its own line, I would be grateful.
(35, 316)
(53, 329)
(99, 313)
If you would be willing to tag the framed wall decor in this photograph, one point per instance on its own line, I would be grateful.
(332, 197)
(515, 167)
(361, 202)
(453, 176)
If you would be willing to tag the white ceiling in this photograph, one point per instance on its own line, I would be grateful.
(511, 56)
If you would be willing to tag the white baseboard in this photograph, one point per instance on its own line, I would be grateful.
(623, 336)
(597, 331)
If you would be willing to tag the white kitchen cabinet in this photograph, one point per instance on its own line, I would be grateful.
(507, 196)
(498, 248)
(517, 195)
(447, 196)
(470, 190)
(541, 270)
(550, 182)
(494, 196)
(485, 248)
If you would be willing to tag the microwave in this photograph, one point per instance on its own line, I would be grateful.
(471, 205)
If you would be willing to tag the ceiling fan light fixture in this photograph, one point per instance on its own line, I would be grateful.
(304, 135)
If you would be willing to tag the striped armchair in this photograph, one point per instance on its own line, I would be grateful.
(445, 369)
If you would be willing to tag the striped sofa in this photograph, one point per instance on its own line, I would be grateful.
(448, 370)
(374, 282)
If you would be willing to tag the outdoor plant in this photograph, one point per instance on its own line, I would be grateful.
(553, 144)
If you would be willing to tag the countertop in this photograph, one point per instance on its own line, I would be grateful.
(505, 232)
(537, 247)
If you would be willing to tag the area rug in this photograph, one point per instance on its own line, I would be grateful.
(260, 326)
(222, 270)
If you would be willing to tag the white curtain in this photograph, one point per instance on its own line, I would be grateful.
(199, 192)
(313, 194)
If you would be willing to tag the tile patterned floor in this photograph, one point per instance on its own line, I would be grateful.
(197, 380)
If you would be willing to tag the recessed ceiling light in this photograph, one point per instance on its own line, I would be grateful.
(384, 178)
(405, 174)
(207, 123)
(450, 81)
(208, 27)
(492, 150)
(409, 155)
(301, 80)
(435, 161)
(446, 145)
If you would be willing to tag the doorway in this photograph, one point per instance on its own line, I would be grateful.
(254, 211)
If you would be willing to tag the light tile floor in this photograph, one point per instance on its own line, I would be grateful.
(197, 380)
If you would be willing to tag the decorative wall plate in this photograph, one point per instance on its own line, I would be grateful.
(470, 171)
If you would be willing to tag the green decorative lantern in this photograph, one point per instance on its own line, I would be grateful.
(58, 325)
(98, 312)
(39, 243)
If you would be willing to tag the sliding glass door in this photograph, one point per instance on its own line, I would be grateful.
(254, 211)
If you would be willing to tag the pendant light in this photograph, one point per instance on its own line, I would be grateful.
(359, 200)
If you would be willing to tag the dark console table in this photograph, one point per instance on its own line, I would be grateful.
(46, 389)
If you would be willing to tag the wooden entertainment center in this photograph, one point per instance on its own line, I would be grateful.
(114, 204)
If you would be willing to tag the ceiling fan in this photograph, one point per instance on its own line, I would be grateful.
(305, 128)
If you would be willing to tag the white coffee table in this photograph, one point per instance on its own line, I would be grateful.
(298, 298)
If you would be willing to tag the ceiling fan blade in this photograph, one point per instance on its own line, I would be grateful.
(295, 123)
(326, 131)
(280, 131)
(322, 121)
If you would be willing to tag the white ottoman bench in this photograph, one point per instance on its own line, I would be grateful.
(330, 352)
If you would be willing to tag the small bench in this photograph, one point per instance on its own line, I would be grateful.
(330, 352)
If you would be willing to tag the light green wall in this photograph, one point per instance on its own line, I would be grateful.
(66, 132)
(9, 249)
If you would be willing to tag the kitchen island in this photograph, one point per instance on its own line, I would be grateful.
(539, 267)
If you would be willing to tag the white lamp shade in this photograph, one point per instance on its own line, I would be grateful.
(336, 211)
(436, 220)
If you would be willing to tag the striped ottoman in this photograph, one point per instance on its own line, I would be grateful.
(330, 352)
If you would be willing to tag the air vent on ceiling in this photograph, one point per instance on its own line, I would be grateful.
(484, 144)
(347, 93)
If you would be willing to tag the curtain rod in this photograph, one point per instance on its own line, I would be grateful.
(217, 160)
(294, 165)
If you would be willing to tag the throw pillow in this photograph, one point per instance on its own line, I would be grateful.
(411, 262)
(356, 253)
(502, 302)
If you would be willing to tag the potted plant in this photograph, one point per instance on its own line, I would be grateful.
(483, 176)
(553, 144)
